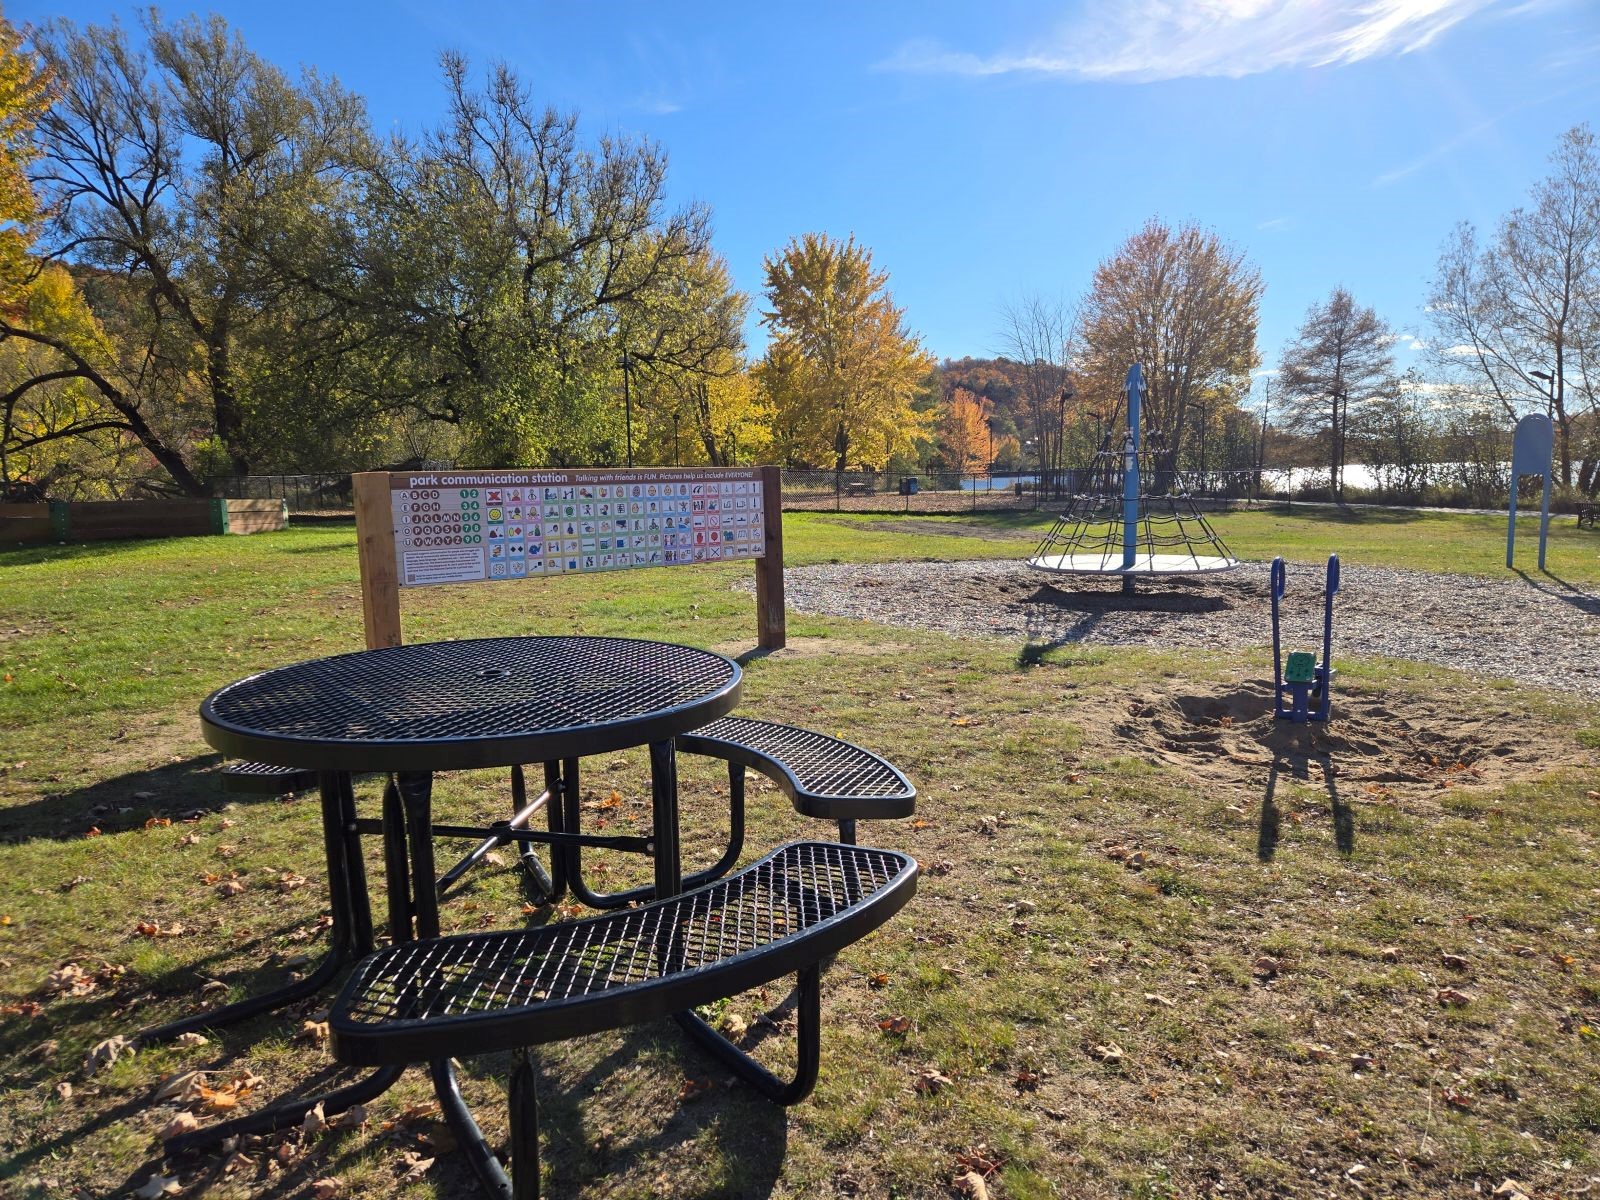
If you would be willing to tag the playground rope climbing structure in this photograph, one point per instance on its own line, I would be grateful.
(1122, 525)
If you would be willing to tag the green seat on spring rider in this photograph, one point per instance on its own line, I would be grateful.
(1303, 687)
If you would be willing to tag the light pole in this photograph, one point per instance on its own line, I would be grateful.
(990, 424)
(1550, 381)
(626, 363)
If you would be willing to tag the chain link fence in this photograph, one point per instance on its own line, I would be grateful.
(328, 495)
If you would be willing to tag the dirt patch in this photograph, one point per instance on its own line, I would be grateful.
(1387, 745)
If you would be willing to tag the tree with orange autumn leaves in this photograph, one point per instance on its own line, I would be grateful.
(964, 431)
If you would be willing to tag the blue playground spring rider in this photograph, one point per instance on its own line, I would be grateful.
(1304, 687)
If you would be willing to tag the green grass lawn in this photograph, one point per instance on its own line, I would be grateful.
(1083, 961)
(1467, 543)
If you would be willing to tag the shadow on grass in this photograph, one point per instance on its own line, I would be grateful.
(1298, 764)
(174, 792)
(580, 1143)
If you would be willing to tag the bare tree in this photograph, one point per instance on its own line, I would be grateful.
(1040, 336)
(1340, 354)
(1518, 317)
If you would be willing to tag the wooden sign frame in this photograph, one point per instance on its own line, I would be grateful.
(376, 550)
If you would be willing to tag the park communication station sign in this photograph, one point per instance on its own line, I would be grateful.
(461, 527)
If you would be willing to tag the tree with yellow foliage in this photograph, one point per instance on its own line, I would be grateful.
(841, 369)
(964, 431)
(24, 87)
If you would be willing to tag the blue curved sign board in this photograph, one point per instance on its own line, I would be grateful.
(1532, 447)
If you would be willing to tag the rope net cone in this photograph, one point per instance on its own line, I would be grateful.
(1174, 538)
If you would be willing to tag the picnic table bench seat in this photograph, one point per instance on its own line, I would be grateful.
(264, 779)
(824, 777)
(425, 1001)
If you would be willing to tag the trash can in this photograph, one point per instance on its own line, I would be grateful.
(908, 486)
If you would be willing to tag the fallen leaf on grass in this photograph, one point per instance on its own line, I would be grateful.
(895, 1025)
(734, 1026)
(878, 979)
(156, 1185)
(1109, 1053)
(1157, 998)
(326, 1189)
(288, 881)
(1361, 1062)
(1455, 1099)
(693, 1089)
(183, 1122)
(191, 1039)
(156, 822)
(315, 1032)
(64, 1090)
(1026, 1080)
(416, 1167)
(930, 1080)
(1512, 1189)
(189, 839)
(71, 979)
(1390, 954)
(970, 1183)
(153, 929)
(1452, 998)
(1319, 1052)
(184, 1087)
(1267, 967)
(1524, 951)
(1455, 962)
(230, 887)
(105, 1053)
(315, 1120)
(989, 825)
(943, 867)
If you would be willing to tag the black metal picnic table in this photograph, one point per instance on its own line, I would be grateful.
(408, 711)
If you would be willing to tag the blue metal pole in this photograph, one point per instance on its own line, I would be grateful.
(1544, 519)
(1130, 470)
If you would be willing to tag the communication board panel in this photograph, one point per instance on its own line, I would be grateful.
(461, 527)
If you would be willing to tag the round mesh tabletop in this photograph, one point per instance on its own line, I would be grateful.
(482, 703)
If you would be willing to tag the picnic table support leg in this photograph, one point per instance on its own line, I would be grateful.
(470, 1138)
(396, 867)
(338, 811)
(416, 790)
(351, 935)
(664, 813)
(808, 1020)
(524, 1128)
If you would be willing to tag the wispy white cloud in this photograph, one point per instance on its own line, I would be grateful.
(1139, 41)
(1274, 223)
(660, 106)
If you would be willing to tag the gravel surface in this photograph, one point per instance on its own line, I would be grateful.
(1538, 633)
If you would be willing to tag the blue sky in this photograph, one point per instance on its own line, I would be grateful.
(987, 150)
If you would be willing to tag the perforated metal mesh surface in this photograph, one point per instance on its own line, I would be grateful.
(824, 766)
(444, 693)
(266, 778)
(778, 899)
